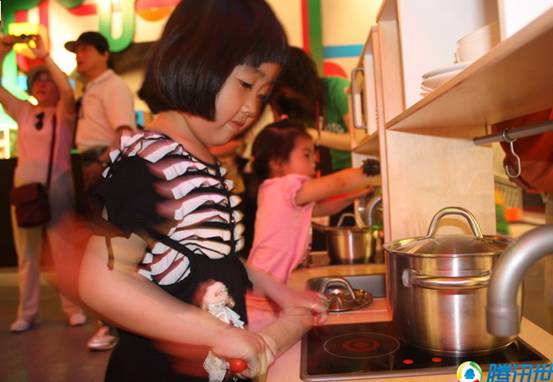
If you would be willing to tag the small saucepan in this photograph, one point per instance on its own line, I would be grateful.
(348, 245)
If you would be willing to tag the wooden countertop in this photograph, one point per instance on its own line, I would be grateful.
(287, 366)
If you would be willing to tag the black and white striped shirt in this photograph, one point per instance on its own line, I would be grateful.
(153, 181)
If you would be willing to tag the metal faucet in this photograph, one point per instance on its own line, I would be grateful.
(503, 314)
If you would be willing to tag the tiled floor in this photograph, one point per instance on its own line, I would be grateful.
(52, 351)
(55, 352)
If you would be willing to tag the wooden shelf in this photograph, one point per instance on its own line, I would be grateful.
(513, 79)
(387, 11)
(368, 145)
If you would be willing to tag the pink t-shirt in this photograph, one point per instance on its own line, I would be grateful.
(282, 228)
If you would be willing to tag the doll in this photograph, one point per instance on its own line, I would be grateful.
(218, 302)
(215, 299)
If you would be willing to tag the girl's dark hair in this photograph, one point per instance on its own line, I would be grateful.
(203, 41)
(299, 90)
(275, 142)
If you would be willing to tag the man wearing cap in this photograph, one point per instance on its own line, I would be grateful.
(106, 110)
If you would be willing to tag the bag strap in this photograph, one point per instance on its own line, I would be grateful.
(52, 145)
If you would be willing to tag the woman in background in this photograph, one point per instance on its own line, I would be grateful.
(55, 109)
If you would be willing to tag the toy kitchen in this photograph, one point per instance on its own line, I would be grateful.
(424, 96)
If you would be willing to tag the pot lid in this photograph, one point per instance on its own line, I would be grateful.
(432, 244)
(450, 245)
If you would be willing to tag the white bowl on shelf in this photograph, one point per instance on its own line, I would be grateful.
(477, 43)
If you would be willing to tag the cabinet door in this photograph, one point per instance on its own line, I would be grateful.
(515, 14)
(366, 96)
(370, 85)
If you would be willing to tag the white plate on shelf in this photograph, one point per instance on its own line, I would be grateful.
(426, 89)
(435, 81)
(455, 67)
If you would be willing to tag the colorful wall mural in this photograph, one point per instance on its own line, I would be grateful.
(333, 31)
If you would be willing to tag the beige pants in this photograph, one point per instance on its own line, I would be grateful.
(30, 243)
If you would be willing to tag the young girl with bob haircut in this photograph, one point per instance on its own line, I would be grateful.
(284, 159)
(173, 227)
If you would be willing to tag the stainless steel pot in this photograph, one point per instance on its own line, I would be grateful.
(348, 245)
(438, 288)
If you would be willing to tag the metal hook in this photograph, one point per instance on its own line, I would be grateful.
(511, 142)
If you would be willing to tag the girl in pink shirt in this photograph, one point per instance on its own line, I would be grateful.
(284, 158)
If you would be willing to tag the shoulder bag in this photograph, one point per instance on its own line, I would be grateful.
(32, 207)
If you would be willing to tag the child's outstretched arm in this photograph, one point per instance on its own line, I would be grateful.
(300, 310)
(126, 298)
(340, 182)
(268, 286)
(337, 203)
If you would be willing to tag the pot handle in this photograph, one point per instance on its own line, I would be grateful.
(343, 216)
(336, 281)
(454, 211)
(324, 228)
(372, 207)
(411, 277)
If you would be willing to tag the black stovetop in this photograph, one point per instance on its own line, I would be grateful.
(371, 350)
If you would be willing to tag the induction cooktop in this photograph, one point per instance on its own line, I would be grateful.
(371, 350)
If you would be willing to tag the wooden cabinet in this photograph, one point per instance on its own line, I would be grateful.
(425, 143)
(367, 99)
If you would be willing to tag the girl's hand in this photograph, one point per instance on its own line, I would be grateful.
(246, 345)
(232, 344)
(37, 46)
(316, 302)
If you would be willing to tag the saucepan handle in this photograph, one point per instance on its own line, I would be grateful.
(454, 211)
(339, 282)
(413, 278)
